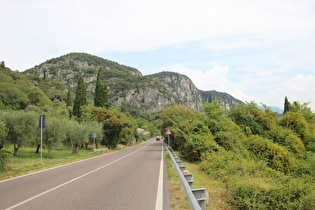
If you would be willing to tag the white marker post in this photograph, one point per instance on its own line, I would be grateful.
(41, 127)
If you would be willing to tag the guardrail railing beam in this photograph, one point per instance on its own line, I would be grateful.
(196, 197)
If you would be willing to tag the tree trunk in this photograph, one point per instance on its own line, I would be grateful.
(75, 148)
(49, 150)
(16, 149)
(37, 150)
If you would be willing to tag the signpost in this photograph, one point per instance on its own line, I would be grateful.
(168, 133)
(41, 128)
(94, 137)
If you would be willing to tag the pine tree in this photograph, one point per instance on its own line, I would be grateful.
(101, 92)
(80, 98)
(69, 99)
(287, 105)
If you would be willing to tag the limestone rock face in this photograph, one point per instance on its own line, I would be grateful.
(127, 85)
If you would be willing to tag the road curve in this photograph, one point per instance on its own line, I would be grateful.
(128, 179)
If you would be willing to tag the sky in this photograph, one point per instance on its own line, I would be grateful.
(254, 50)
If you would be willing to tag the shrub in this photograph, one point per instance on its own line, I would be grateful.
(287, 194)
(4, 159)
(197, 146)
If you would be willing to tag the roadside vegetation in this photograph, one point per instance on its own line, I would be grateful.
(252, 158)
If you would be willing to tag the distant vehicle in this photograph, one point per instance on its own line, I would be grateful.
(157, 138)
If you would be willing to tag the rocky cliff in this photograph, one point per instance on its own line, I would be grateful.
(127, 85)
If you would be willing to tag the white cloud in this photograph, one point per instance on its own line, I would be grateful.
(41, 29)
(253, 49)
(213, 79)
(298, 88)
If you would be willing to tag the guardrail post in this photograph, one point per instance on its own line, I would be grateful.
(201, 196)
(190, 180)
(182, 168)
(179, 162)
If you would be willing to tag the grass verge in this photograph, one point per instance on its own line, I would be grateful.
(28, 161)
(178, 200)
(216, 190)
(217, 194)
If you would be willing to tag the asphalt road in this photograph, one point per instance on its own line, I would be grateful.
(128, 179)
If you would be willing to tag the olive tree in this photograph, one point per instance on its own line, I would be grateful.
(3, 134)
(55, 132)
(92, 127)
(22, 127)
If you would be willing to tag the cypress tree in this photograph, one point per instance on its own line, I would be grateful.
(69, 99)
(101, 92)
(80, 97)
(287, 105)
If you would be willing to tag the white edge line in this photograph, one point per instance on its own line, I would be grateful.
(159, 198)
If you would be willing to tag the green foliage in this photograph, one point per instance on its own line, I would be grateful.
(13, 97)
(113, 123)
(4, 159)
(101, 92)
(69, 98)
(92, 127)
(80, 98)
(277, 157)
(226, 133)
(17, 92)
(262, 160)
(213, 110)
(252, 119)
(22, 127)
(55, 132)
(288, 194)
(286, 105)
(225, 165)
(3, 134)
(296, 121)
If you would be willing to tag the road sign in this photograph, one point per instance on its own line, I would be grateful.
(168, 132)
(94, 135)
(42, 123)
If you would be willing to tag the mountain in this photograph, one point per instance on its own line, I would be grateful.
(273, 108)
(127, 86)
(225, 99)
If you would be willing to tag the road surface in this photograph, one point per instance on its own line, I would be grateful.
(127, 179)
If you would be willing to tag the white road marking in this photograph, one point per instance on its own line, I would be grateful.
(72, 180)
(159, 198)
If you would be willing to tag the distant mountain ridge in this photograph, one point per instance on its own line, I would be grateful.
(127, 85)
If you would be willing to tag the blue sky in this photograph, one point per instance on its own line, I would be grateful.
(255, 50)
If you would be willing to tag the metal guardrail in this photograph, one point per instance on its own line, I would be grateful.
(101, 150)
(196, 197)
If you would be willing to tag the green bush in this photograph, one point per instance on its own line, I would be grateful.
(4, 159)
(197, 146)
(289, 193)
